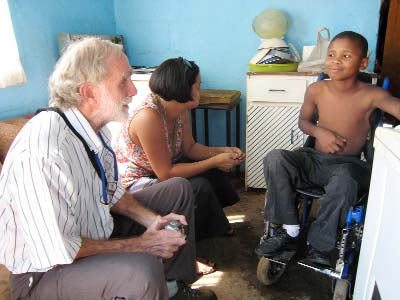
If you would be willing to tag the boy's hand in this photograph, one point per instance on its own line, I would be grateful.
(330, 142)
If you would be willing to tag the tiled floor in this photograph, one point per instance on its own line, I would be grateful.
(236, 277)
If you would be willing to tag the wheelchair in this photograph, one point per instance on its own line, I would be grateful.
(270, 269)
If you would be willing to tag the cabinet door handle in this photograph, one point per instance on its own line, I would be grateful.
(291, 136)
(276, 90)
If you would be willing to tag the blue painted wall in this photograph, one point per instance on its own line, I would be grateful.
(37, 24)
(218, 35)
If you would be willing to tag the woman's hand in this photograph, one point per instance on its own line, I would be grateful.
(226, 161)
(239, 155)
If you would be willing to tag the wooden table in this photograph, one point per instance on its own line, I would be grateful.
(225, 100)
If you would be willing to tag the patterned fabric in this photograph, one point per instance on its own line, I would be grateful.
(132, 160)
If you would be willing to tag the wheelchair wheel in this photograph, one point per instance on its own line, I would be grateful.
(341, 291)
(268, 272)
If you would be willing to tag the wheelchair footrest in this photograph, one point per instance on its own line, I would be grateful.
(283, 257)
(319, 268)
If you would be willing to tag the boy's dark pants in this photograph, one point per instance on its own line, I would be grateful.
(342, 177)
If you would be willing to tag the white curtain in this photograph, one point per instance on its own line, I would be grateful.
(11, 71)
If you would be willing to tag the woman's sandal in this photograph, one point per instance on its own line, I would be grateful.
(204, 266)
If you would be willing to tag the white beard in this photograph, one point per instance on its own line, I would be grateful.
(112, 109)
(120, 114)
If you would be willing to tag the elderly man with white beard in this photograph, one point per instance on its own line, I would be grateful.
(68, 229)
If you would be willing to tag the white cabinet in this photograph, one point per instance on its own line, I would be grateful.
(379, 261)
(141, 82)
(273, 105)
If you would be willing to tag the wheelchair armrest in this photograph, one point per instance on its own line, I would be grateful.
(312, 192)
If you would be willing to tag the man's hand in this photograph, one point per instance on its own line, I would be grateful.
(160, 242)
(329, 141)
(155, 241)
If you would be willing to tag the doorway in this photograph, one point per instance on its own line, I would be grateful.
(388, 49)
(388, 46)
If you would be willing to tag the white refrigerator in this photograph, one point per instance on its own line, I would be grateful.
(379, 264)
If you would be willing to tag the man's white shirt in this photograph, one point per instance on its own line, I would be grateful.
(51, 195)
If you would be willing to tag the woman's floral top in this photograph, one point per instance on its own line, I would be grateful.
(132, 160)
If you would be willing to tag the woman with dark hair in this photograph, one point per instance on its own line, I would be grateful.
(157, 144)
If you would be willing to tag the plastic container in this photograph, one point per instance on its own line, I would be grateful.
(292, 67)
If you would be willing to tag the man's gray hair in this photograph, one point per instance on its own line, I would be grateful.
(83, 61)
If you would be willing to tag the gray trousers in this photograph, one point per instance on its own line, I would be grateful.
(342, 178)
(122, 276)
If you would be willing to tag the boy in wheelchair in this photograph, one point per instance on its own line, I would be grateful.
(344, 105)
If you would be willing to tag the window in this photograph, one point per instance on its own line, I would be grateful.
(11, 71)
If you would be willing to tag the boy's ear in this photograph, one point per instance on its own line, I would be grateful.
(364, 63)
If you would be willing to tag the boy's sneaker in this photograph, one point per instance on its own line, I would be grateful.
(275, 244)
(318, 257)
(187, 293)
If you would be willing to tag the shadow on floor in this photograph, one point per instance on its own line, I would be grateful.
(236, 277)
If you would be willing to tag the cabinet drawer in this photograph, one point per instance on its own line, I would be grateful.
(276, 89)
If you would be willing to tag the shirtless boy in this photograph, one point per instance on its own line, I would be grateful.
(344, 105)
